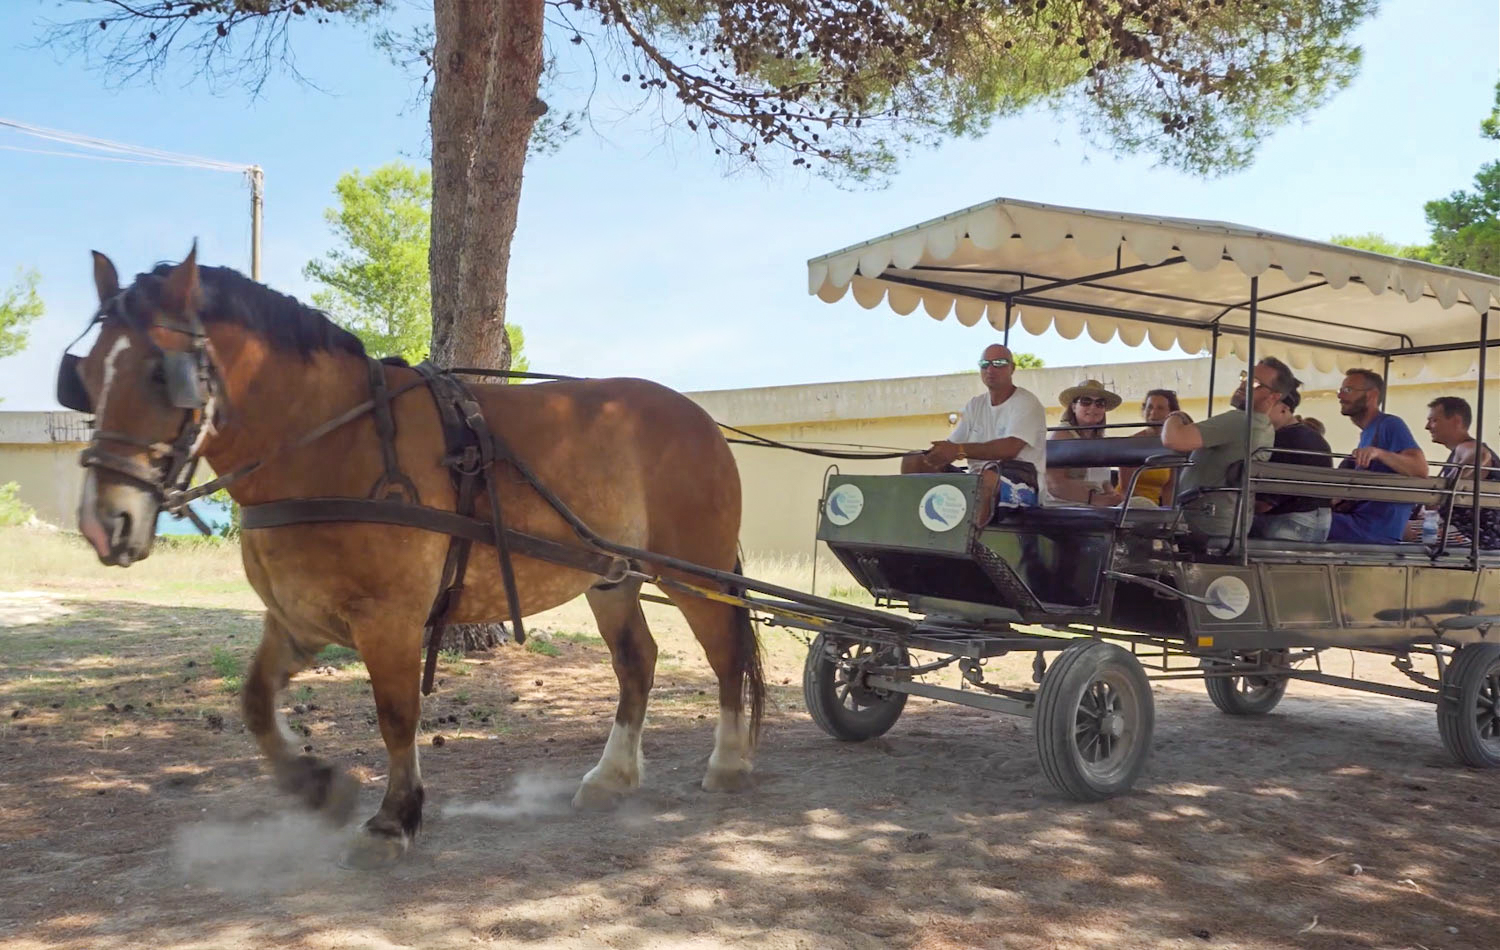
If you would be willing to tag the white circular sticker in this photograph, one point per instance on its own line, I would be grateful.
(943, 508)
(1228, 597)
(844, 504)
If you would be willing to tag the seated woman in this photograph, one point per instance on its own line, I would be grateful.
(1084, 409)
(1154, 485)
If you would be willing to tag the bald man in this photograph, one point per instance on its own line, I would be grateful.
(1004, 422)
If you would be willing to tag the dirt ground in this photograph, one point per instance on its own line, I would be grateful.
(134, 811)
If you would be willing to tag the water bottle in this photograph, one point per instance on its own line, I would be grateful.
(1429, 527)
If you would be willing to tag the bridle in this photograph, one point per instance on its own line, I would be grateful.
(193, 384)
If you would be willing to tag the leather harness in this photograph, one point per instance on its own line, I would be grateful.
(472, 453)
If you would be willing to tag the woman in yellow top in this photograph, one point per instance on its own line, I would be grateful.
(1155, 484)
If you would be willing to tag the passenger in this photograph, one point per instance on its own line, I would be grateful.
(1005, 422)
(1385, 445)
(1084, 408)
(1218, 442)
(1314, 424)
(1294, 517)
(1448, 420)
(1154, 484)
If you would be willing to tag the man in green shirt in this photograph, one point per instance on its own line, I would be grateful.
(1218, 442)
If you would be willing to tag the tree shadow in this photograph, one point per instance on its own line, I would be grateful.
(941, 834)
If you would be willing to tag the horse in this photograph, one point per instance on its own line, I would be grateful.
(641, 464)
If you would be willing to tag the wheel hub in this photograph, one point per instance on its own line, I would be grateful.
(1112, 724)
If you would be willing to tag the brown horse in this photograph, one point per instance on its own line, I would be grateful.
(640, 464)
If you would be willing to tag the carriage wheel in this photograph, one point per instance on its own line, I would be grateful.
(1094, 720)
(836, 696)
(1469, 706)
(1244, 695)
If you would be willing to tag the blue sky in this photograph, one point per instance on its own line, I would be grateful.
(634, 254)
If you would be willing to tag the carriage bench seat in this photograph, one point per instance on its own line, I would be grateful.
(1134, 451)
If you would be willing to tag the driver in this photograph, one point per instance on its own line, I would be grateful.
(1004, 423)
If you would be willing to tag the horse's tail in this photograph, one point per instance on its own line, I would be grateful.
(748, 663)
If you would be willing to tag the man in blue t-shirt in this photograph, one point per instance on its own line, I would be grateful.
(1385, 445)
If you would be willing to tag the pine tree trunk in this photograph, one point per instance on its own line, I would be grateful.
(487, 63)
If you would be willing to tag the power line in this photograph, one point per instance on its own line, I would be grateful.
(135, 152)
(141, 155)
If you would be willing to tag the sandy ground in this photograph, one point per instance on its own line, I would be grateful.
(134, 812)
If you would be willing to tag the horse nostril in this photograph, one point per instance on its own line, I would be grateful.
(121, 532)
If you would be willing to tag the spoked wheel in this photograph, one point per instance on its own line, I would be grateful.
(1245, 695)
(833, 687)
(1094, 720)
(1469, 706)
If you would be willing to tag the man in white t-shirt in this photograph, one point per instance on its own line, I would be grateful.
(1005, 422)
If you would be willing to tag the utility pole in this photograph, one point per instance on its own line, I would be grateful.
(257, 204)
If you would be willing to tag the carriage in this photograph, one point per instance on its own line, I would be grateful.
(1098, 595)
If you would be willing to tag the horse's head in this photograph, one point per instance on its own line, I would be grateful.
(150, 382)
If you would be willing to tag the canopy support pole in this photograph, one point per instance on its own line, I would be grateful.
(1484, 337)
(1385, 381)
(1213, 367)
(1245, 508)
(1006, 338)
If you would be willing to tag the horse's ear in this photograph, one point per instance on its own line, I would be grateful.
(181, 286)
(106, 278)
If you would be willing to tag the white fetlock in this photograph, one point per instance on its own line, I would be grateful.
(619, 770)
(729, 766)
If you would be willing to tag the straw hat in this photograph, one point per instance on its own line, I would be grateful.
(1089, 387)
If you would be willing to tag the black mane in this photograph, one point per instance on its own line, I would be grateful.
(228, 296)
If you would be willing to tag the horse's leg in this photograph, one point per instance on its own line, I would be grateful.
(318, 784)
(392, 651)
(633, 652)
(728, 638)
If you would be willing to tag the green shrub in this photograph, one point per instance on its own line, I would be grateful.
(13, 510)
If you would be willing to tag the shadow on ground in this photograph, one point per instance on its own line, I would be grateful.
(120, 827)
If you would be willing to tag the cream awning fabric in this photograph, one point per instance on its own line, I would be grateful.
(1168, 280)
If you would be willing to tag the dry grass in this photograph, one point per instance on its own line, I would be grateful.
(183, 570)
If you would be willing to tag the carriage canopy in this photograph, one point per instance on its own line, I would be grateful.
(1170, 281)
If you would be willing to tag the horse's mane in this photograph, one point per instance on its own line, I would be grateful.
(282, 320)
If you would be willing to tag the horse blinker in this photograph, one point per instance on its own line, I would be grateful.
(70, 389)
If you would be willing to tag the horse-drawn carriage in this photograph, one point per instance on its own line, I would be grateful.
(365, 483)
(1105, 589)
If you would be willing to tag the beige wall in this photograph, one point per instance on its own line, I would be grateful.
(781, 489)
(49, 476)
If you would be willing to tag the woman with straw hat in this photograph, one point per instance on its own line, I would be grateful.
(1084, 409)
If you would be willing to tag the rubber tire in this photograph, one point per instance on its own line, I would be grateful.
(1456, 704)
(1057, 703)
(1222, 691)
(819, 692)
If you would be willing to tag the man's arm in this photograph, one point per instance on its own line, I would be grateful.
(1181, 435)
(995, 449)
(1401, 454)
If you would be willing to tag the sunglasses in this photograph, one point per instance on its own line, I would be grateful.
(1088, 401)
(1346, 390)
(998, 364)
(1245, 375)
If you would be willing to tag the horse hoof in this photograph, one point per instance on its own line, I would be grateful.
(726, 780)
(595, 797)
(372, 852)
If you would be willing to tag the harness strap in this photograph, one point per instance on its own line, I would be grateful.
(312, 435)
(470, 458)
(393, 481)
(277, 514)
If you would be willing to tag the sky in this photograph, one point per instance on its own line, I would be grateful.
(635, 254)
